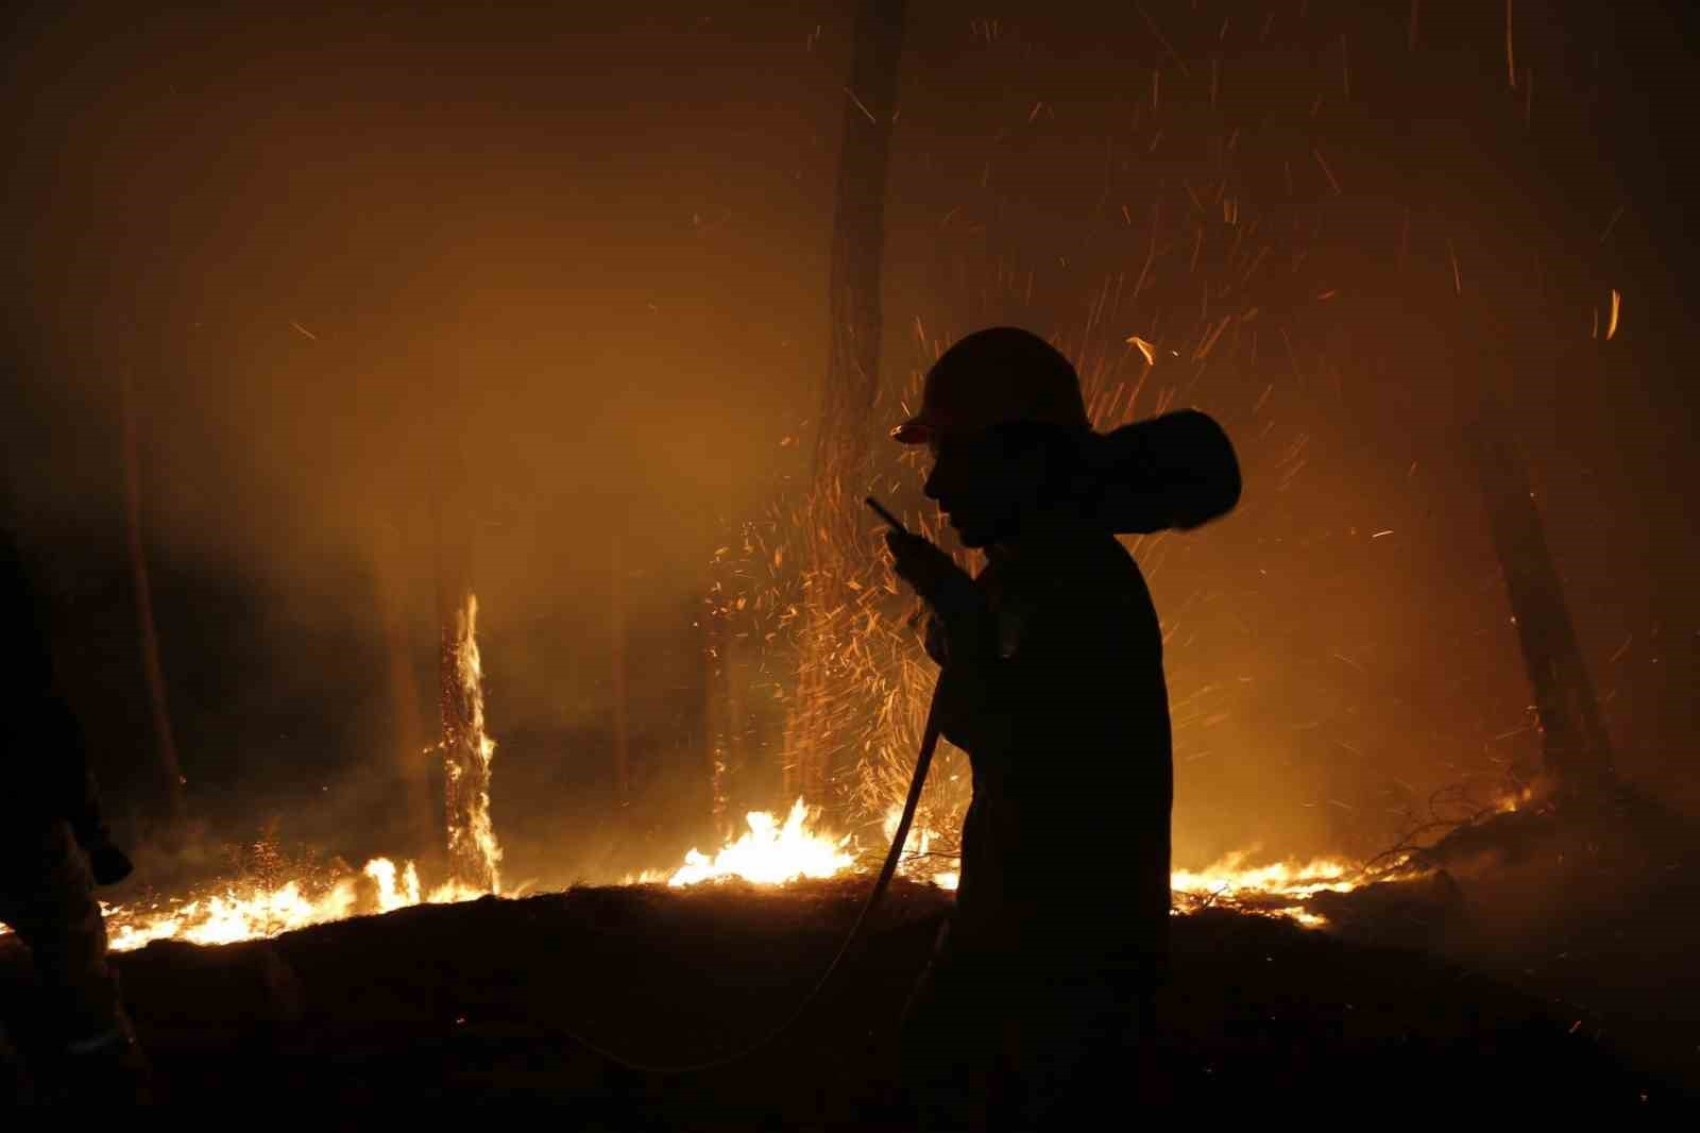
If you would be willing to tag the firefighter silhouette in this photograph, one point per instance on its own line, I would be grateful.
(1031, 1011)
(54, 850)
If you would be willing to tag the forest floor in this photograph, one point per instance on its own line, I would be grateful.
(484, 1001)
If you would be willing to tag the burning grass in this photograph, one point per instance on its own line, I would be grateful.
(769, 854)
(239, 911)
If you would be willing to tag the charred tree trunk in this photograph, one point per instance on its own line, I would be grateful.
(851, 387)
(858, 236)
(1575, 746)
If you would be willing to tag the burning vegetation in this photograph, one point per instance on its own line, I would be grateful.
(769, 852)
(279, 898)
(237, 912)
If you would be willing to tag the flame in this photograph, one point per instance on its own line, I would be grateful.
(770, 853)
(1290, 879)
(236, 912)
(467, 754)
(1275, 889)
(1267, 890)
(1514, 800)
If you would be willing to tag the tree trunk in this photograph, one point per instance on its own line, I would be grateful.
(858, 237)
(1575, 747)
(816, 729)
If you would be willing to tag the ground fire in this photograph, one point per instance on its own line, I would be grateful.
(230, 912)
(769, 852)
(869, 659)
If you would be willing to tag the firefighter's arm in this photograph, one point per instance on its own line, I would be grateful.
(52, 726)
(937, 645)
(79, 798)
(61, 742)
(976, 711)
(107, 862)
(978, 695)
(956, 603)
(962, 637)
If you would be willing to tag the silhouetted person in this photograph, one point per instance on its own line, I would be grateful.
(1052, 682)
(54, 849)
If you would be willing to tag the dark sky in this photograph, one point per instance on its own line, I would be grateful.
(559, 276)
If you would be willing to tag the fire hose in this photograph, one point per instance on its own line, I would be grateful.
(923, 762)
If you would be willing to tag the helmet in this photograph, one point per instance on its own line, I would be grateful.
(997, 376)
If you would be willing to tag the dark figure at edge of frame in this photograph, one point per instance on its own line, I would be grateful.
(1032, 1011)
(54, 850)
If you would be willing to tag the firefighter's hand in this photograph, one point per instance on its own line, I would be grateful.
(109, 864)
(935, 576)
(938, 640)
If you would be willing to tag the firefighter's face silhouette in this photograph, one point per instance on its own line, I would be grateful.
(988, 483)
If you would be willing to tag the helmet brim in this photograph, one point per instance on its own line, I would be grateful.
(915, 431)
